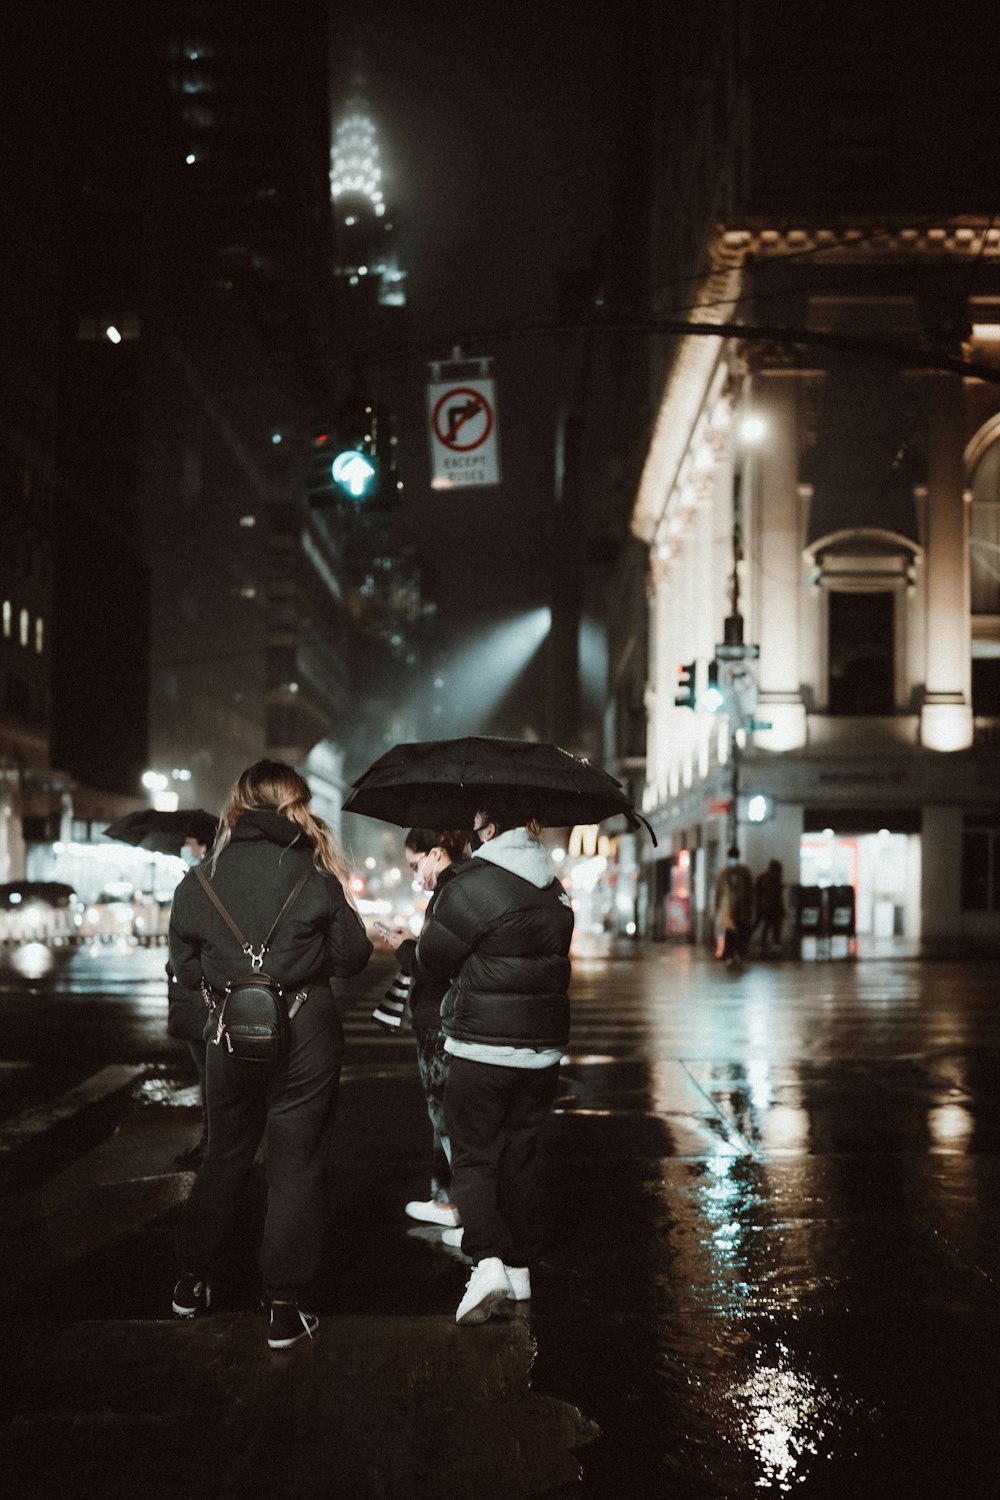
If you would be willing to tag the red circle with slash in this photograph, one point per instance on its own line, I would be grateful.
(448, 423)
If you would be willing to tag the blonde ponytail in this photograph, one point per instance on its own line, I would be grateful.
(277, 787)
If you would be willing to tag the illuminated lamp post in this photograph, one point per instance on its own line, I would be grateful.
(733, 649)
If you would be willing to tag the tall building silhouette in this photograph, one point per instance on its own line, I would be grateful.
(371, 283)
(170, 603)
(382, 586)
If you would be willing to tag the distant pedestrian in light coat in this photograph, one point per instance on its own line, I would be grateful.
(733, 909)
(268, 839)
(500, 931)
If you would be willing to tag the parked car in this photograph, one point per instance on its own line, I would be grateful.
(39, 911)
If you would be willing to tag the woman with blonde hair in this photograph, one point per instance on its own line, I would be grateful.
(268, 840)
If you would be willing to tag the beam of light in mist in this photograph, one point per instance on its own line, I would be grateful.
(477, 675)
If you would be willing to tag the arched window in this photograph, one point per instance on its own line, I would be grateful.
(863, 577)
(984, 534)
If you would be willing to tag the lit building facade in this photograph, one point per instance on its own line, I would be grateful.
(852, 524)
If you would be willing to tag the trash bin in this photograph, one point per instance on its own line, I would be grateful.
(808, 916)
(843, 933)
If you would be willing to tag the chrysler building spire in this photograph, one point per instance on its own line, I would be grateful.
(356, 167)
(367, 258)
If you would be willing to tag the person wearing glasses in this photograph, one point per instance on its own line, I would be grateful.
(432, 856)
(499, 931)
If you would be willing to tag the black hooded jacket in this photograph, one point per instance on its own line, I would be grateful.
(320, 937)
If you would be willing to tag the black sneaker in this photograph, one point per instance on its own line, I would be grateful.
(192, 1295)
(289, 1324)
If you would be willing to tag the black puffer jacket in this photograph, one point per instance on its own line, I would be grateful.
(321, 936)
(504, 943)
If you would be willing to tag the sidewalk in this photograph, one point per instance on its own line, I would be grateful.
(374, 1406)
(774, 1269)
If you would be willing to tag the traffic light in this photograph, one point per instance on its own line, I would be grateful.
(320, 480)
(355, 472)
(354, 459)
(686, 685)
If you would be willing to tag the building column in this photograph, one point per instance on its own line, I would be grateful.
(946, 715)
(777, 563)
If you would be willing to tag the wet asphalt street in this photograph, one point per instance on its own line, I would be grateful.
(773, 1264)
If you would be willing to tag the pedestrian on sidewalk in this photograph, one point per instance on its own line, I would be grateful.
(267, 841)
(431, 855)
(500, 932)
(769, 898)
(733, 910)
(187, 1019)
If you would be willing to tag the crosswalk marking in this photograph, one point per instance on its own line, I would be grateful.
(34, 1122)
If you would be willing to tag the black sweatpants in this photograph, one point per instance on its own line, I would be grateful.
(296, 1101)
(433, 1063)
(494, 1117)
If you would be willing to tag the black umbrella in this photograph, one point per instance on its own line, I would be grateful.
(442, 783)
(163, 832)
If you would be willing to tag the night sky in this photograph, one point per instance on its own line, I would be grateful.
(500, 150)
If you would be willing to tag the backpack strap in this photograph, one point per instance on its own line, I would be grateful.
(214, 897)
(256, 959)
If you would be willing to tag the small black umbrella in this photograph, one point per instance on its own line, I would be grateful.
(163, 832)
(442, 783)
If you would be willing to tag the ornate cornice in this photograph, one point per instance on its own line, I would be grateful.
(661, 500)
(862, 241)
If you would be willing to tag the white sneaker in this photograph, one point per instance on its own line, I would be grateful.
(433, 1213)
(487, 1288)
(453, 1237)
(520, 1283)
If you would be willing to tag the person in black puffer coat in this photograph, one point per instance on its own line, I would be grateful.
(268, 839)
(500, 930)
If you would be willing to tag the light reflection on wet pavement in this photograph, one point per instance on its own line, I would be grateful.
(790, 1263)
(775, 1204)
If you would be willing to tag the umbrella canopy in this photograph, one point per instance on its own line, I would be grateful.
(442, 783)
(163, 832)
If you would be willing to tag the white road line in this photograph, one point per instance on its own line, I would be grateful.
(34, 1122)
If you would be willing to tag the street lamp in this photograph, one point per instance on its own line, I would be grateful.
(156, 784)
(752, 429)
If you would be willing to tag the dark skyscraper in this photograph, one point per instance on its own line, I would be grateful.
(381, 578)
(199, 341)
